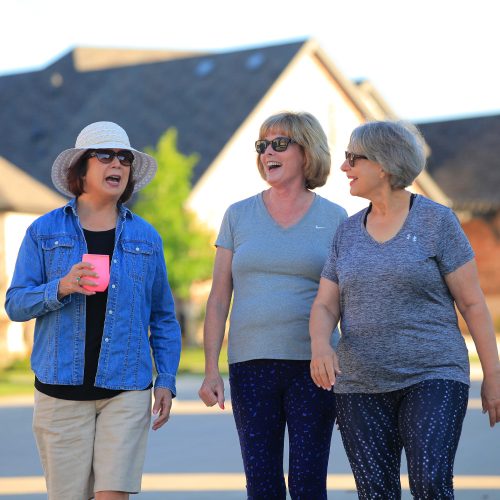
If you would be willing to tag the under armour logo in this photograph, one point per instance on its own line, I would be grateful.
(410, 237)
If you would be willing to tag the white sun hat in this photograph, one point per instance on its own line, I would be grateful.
(102, 135)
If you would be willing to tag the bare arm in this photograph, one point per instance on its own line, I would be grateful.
(463, 284)
(325, 314)
(219, 300)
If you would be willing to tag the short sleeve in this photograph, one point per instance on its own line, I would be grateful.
(225, 239)
(454, 249)
(330, 268)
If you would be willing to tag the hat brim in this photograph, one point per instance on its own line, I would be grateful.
(144, 167)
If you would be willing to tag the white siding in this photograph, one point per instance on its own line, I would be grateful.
(16, 341)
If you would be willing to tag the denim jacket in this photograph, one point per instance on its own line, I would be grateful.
(140, 315)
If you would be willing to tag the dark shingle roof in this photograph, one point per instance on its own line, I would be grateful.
(465, 161)
(206, 98)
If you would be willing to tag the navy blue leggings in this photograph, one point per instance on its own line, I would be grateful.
(268, 395)
(425, 419)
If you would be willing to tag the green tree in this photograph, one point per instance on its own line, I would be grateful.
(187, 245)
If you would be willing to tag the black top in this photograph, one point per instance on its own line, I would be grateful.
(412, 197)
(99, 242)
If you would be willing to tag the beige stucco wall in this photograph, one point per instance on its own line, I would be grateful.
(15, 338)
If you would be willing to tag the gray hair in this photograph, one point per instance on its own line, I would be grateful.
(397, 146)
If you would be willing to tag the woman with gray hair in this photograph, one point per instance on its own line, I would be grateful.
(394, 274)
(270, 250)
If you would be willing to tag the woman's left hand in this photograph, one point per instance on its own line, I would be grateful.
(161, 407)
(490, 396)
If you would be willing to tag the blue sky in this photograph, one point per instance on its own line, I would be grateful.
(429, 59)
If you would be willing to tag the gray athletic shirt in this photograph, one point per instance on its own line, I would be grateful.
(276, 274)
(398, 320)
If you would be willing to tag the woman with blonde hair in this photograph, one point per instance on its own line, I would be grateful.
(270, 252)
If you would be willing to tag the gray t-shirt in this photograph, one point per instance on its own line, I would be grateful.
(276, 274)
(398, 320)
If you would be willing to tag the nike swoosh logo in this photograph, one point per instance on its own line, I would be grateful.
(320, 227)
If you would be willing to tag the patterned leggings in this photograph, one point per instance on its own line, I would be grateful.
(425, 419)
(268, 395)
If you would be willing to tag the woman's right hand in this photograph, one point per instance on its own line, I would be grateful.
(78, 275)
(212, 390)
(324, 366)
(490, 396)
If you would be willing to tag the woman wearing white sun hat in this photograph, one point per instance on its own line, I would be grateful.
(91, 353)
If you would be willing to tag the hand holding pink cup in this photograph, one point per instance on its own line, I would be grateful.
(101, 267)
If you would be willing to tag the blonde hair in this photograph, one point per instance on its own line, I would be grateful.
(307, 132)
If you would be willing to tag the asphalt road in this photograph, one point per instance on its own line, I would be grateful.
(196, 456)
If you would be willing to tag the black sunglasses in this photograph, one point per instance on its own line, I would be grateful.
(351, 158)
(279, 144)
(108, 155)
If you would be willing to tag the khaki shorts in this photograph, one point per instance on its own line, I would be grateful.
(89, 446)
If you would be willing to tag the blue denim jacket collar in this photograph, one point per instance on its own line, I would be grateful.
(71, 207)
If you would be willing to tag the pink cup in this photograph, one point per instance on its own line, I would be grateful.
(101, 267)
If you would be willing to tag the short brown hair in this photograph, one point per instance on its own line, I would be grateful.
(76, 172)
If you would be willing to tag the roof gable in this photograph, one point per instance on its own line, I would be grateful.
(206, 98)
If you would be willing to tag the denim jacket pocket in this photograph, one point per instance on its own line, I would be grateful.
(57, 252)
(138, 258)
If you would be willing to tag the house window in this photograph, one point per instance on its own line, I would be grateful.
(255, 60)
(56, 80)
(204, 67)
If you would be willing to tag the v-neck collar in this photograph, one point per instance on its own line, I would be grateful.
(273, 221)
(401, 230)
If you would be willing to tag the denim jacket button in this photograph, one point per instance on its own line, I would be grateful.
(137, 249)
(113, 286)
(106, 339)
(110, 311)
(56, 242)
(114, 261)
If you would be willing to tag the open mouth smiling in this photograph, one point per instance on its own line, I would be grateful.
(273, 164)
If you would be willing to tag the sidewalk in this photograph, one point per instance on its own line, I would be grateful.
(197, 457)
